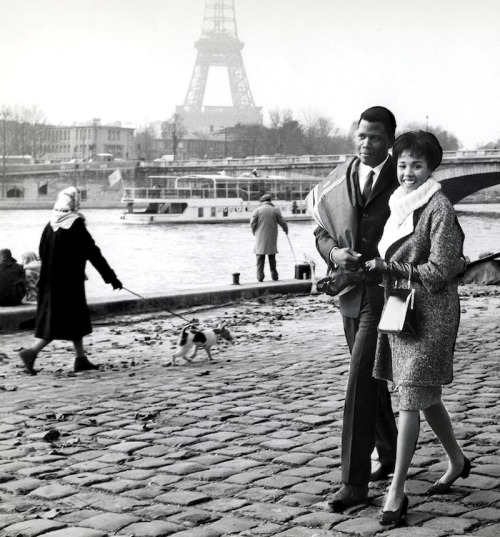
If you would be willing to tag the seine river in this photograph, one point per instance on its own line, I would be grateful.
(156, 259)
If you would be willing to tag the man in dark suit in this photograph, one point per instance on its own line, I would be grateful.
(351, 208)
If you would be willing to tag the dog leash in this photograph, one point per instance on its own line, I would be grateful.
(169, 311)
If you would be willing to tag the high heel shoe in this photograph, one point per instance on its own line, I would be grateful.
(442, 488)
(393, 517)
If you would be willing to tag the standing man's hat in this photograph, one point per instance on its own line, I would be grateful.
(266, 197)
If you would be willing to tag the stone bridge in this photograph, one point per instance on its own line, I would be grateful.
(461, 180)
(462, 173)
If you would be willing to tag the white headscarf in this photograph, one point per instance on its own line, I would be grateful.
(403, 205)
(66, 209)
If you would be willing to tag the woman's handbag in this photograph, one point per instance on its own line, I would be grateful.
(399, 315)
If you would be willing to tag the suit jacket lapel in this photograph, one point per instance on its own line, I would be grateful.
(355, 191)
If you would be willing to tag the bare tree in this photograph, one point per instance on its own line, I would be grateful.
(33, 126)
(6, 115)
(320, 132)
(144, 144)
(248, 140)
(174, 129)
(286, 136)
(448, 141)
(23, 130)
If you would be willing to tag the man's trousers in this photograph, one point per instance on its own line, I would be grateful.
(272, 265)
(368, 417)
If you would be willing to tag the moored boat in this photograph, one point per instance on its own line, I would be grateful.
(213, 199)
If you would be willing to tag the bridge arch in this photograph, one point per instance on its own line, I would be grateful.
(461, 180)
(15, 192)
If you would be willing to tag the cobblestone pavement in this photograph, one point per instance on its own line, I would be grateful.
(247, 445)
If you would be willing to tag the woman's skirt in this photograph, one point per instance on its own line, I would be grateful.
(418, 397)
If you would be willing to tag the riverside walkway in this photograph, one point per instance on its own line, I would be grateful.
(247, 445)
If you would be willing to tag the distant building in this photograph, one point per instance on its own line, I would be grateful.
(194, 146)
(89, 141)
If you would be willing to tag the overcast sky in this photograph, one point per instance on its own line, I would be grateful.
(131, 60)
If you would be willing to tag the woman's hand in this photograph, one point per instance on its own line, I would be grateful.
(377, 264)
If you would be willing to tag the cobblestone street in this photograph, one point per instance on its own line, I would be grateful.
(247, 445)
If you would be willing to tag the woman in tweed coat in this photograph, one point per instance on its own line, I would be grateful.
(423, 241)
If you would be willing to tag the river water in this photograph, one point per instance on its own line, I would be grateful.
(159, 259)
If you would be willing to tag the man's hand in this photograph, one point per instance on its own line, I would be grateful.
(345, 258)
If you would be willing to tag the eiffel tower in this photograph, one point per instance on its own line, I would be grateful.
(219, 46)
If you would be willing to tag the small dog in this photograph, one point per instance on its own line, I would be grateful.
(194, 336)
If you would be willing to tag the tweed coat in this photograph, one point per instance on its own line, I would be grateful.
(435, 248)
(264, 223)
(62, 311)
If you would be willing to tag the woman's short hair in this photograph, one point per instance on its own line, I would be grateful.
(419, 144)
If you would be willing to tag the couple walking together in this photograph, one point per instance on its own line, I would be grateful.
(383, 218)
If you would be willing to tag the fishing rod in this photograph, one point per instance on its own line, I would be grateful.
(291, 247)
(169, 311)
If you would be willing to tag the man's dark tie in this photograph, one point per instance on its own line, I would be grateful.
(368, 186)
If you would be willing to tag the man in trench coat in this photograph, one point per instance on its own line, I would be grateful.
(264, 223)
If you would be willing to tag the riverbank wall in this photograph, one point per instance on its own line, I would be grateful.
(38, 189)
(23, 317)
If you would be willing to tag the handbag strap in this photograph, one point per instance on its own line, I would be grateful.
(410, 275)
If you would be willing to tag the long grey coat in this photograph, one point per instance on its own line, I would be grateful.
(264, 223)
(435, 247)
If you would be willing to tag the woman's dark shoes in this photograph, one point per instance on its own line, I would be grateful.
(441, 487)
(393, 517)
(28, 357)
(82, 363)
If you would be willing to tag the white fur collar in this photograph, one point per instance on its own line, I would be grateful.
(400, 223)
(402, 204)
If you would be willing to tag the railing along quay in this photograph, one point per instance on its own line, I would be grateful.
(280, 160)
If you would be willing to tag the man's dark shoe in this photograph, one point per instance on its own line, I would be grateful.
(381, 472)
(348, 496)
(82, 363)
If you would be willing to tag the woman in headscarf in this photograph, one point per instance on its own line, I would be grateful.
(32, 266)
(421, 247)
(62, 313)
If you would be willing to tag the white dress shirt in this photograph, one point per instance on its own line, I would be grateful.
(364, 170)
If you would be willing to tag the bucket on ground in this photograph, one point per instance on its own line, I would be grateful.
(303, 271)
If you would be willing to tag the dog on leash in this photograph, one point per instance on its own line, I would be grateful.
(205, 338)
